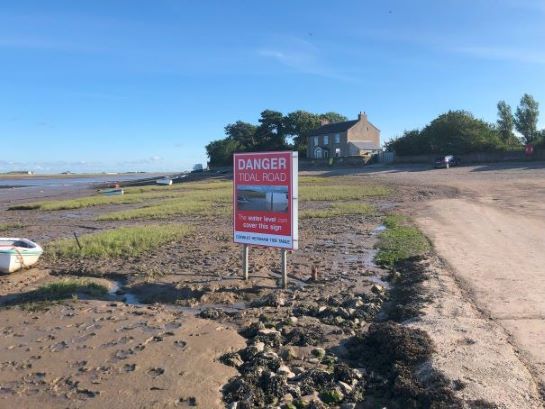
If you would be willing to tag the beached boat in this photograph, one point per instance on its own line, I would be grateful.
(18, 253)
(112, 192)
(164, 181)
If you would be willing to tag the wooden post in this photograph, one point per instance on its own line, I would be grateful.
(284, 268)
(77, 240)
(245, 260)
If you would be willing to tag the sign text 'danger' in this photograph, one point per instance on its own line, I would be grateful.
(262, 164)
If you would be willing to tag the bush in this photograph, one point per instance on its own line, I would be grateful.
(456, 132)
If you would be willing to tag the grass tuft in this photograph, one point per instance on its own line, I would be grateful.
(121, 242)
(69, 287)
(77, 203)
(198, 202)
(133, 195)
(339, 209)
(9, 226)
(205, 185)
(341, 192)
(400, 241)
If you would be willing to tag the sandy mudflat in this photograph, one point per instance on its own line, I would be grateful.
(101, 354)
(474, 307)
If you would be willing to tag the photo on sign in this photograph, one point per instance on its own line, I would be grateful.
(263, 198)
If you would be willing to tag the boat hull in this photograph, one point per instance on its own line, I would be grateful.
(113, 192)
(164, 181)
(14, 257)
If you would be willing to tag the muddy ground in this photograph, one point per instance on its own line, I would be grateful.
(180, 328)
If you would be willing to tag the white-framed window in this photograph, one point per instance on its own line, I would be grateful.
(326, 140)
(337, 152)
(337, 138)
(315, 140)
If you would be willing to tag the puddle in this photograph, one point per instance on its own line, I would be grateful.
(127, 297)
(379, 229)
(117, 290)
(236, 307)
(377, 280)
(365, 260)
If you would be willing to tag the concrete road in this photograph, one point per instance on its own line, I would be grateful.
(493, 236)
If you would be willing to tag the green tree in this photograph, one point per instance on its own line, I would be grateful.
(220, 152)
(459, 132)
(505, 123)
(243, 133)
(526, 117)
(333, 117)
(270, 134)
(454, 132)
(410, 143)
(298, 125)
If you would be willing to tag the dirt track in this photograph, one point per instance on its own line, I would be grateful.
(492, 235)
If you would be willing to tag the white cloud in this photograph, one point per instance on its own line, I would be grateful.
(507, 54)
(301, 56)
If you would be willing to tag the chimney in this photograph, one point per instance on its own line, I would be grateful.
(362, 116)
(324, 121)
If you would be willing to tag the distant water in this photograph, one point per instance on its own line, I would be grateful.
(51, 181)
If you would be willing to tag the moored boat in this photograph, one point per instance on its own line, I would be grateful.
(112, 192)
(164, 181)
(16, 253)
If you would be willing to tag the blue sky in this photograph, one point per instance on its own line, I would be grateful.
(141, 85)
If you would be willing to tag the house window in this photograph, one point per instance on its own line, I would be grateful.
(315, 141)
(326, 140)
(337, 152)
(337, 138)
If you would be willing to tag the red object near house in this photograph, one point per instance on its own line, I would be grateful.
(529, 149)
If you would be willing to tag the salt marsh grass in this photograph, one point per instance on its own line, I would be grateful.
(121, 242)
(341, 192)
(69, 287)
(131, 196)
(208, 185)
(6, 227)
(339, 209)
(197, 202)
(400, 241)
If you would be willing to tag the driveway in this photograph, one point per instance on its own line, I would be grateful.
(492, 234)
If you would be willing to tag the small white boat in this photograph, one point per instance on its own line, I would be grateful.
(18, 253)
(112, 192)
(164, 181)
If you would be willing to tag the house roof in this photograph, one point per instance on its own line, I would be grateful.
(365, 145)
(334, 127)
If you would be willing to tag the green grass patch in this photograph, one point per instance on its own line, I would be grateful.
(9, 226)
(134, 195)
(341, 192)
(204, 185)
(198, 202)
(53, 293)
(70, 204)
(400, 241)
(308, 180)
(25, 206)
(121, 242)
(69, 287)
(339, 209)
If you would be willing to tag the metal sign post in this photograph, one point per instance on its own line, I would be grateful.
(284, 268)
(245, 261)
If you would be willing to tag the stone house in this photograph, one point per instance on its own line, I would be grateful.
(342, 139)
